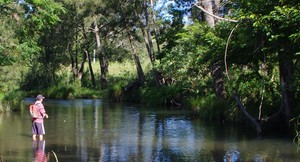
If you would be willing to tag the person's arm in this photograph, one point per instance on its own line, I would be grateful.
(45, 115)
(43, 111)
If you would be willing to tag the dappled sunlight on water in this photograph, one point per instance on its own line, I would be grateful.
(94, 130)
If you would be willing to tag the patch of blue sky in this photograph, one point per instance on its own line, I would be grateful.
(163, 9)
(30, 7)
(21, 1)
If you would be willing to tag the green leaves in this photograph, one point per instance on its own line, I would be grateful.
(29, 50)
(46, 13)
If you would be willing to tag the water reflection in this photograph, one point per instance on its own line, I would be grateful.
(232, 155)
(93, 130)
(39, 154)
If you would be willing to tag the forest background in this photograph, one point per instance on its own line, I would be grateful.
(227, 60)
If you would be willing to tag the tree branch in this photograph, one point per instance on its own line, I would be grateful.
(226, 50)
(211, 14)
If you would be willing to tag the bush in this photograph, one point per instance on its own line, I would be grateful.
(159, 95)
(115, 92)
(208, 107)
(62, 92)
(116, 88)
(11, 101)
(71, 91)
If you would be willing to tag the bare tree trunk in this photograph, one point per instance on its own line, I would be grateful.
(102, 60)
(286, 81)
(80, 71)
(72, 59)
(148, 33)
(218, 80)
(81, 68)
(149, 42)
(91, 68)
(243, 109)
(146, 41)
(216, 69)
(76, 55)
(209, 6)
(154, 23)
(88, 57)
(136, 59)
(155, 73)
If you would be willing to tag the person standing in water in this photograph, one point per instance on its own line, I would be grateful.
(38, 123)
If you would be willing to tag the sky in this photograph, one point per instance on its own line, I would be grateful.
(162, 6)
(23, 2)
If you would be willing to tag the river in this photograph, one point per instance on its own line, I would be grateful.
(86, 130)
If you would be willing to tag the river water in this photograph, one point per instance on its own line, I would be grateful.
(94, 130)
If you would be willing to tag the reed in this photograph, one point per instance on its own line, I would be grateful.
(56, 159)
(296, 125)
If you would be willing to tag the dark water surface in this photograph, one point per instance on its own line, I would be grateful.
(94, 130)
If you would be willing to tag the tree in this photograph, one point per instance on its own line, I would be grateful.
(277, 22)
(103, 61)
(10, 15)
(27, 22)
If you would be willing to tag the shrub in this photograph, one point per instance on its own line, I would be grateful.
(116, 88)
(159, 95)
(11, 101)
(208, 107)
(62, 91)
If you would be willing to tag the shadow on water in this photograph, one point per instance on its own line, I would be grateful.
(94, 130)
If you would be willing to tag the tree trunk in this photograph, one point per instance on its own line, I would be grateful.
(243, 109)
(208, 6)
(146, 42)
(76, 55)
(141, 76)
(73, 63)
(80, 71)
(286, 72)
(218, 80)
(149, 42)
(91, 68)
(155, 30)
(155, 73)
(103, 62)
(87, 56)
(148, 33)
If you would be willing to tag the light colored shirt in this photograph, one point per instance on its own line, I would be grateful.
(41, 110)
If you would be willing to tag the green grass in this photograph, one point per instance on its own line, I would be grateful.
(209, 107)
(125, 69)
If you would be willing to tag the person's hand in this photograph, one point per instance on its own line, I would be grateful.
(46, 116)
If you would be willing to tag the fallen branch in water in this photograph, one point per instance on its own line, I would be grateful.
(54, 155)
(242, 107)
